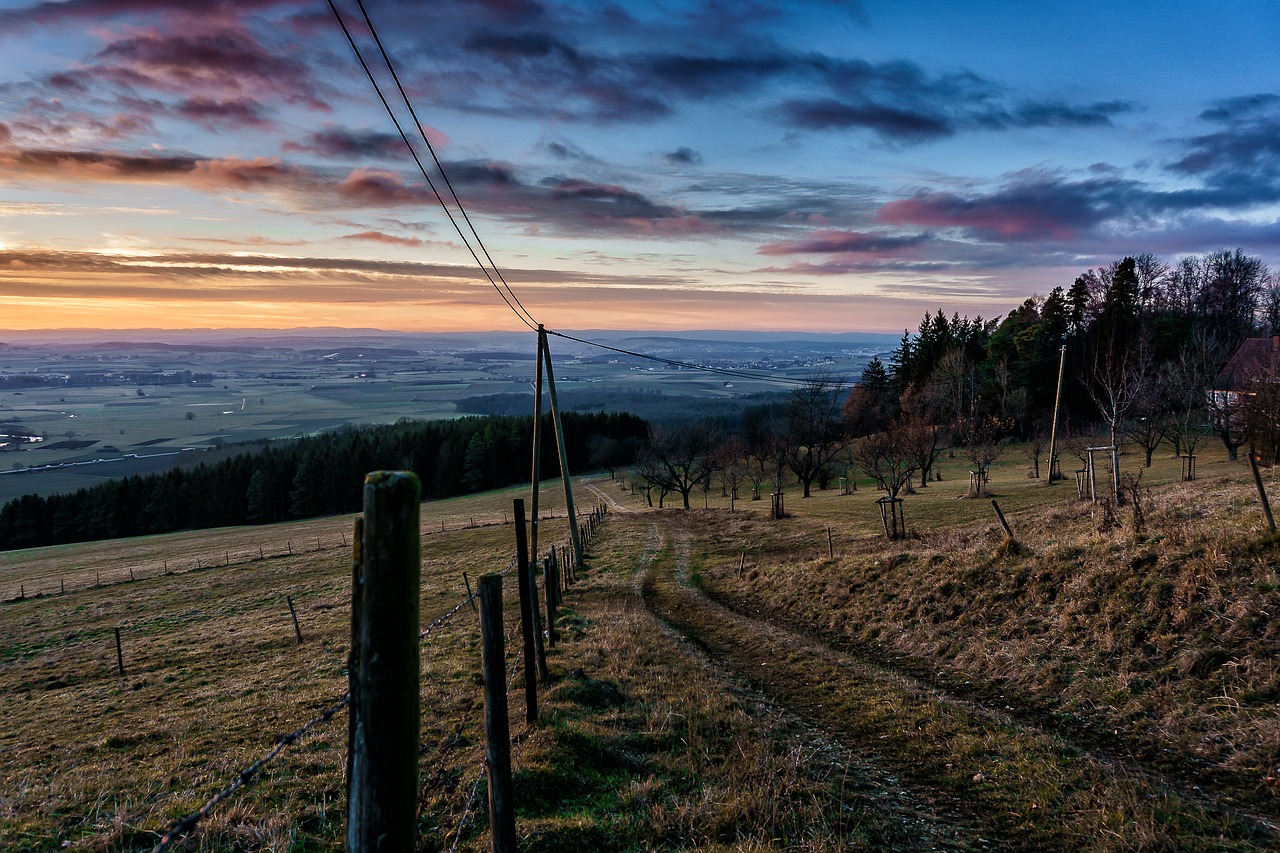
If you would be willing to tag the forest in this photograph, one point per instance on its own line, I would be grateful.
(319, 475)
(1145, 342)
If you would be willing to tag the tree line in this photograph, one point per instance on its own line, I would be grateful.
(1141, 345)
(319, 475)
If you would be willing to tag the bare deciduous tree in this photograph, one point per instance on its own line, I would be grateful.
(680, 458)
(814, 428)
(886, 458)
(1187, 379)
(733, 463)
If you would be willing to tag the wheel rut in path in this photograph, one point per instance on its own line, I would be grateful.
(1024, 787)
(919, 822)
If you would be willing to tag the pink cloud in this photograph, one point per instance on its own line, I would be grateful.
(1031, 208)
(260, 173)
(380, 237)
(59, 12)
(214, 113)
(101, 166)
(224, 64)
(380, 187)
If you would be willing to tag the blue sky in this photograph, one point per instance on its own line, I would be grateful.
(822, 166)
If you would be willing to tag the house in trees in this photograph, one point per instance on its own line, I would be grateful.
(1243, 401)
(1255, 362)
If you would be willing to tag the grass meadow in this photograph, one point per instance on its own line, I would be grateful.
(723, 681)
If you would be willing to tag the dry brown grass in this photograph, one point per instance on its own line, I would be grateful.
(1159, 649)
(1161, 645)
(214, 675)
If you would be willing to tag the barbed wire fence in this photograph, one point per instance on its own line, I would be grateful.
(245, 777)
(43, 586)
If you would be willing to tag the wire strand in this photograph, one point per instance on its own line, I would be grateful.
(723, 371)
(423, 169)
(439, 166)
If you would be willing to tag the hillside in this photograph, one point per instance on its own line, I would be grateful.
(723, 681)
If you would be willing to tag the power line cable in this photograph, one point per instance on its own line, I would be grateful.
(509, 297)
(724, 371)
(439, 166)
(421, 168)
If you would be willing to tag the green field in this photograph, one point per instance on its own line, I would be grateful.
(99, 426)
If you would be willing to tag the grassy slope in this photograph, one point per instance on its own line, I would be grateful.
(1160, 645)
(1133, 645)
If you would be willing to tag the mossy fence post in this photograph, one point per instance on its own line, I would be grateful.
(383, 750)
(502, 815)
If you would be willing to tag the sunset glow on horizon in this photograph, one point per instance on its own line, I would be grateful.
(820, 166)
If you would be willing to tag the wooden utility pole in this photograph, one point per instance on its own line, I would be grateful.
(502, 810)
(574, 535)
(383, 796)
(1057, 401)
(550, 592)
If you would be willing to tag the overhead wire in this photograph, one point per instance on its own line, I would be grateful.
(723, 371)
(439, 166)
(523, 315)
(491, 270)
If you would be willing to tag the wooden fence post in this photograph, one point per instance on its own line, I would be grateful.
(535, 661)
(1008, 531)
(831, 548)
(1262, 492)
(293, 614)
(119, 653)
(383, 797)
(353, 656)
(502, 816)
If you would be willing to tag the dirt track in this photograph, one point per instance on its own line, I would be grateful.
(973, 777)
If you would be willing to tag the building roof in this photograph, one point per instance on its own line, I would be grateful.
(1255, 359)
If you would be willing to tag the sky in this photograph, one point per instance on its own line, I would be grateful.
(727, 164)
